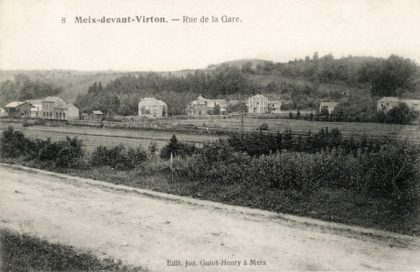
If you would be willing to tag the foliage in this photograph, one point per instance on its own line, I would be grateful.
(23, 88)
(121, 96)
(61, 154)
(13, 143)
(393, 76)
(256, 144)
(118, 157)
(263, 126)
(176, 149)
(398, 115)
(389, 173)
(21, 252)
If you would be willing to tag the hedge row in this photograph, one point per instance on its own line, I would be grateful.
(256, 144)
(68, 153)
(391, 173)
(61, 154)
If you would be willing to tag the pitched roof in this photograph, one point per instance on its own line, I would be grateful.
(98, 112)
(329, 103)
(152, 100)
(409, 101)
(14, 104)
(389, 99)
(259, 96)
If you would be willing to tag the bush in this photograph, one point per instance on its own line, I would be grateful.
(391, 173)
(61, 154)
(13, 143)
(177, 149)
(263, 126)
(118, 157)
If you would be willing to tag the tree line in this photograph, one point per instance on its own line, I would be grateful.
(300, 83)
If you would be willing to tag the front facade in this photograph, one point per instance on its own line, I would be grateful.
(413, 104)
(3, 112)
(97, 115)
(328, 106)
(387, 103)
(274, 106)
(257, 104)
(56, 108)
(36, 109)
(204, 106)
(152, 107)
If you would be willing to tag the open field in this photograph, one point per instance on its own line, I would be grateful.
(93, 137)
(148, 229)
(251, 123)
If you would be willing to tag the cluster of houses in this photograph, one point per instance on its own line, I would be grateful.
(257, 104)
(384, 104)
(52, 107)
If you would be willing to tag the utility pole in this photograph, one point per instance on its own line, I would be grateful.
(242, 118)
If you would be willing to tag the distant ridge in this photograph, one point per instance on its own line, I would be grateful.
(238, 63)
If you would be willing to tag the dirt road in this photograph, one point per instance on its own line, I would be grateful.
(159, 231)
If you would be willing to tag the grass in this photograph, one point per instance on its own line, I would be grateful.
(21, 252)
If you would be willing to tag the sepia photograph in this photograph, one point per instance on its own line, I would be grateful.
(209, 135)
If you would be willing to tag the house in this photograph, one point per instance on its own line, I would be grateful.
(36, 109)
(204, 106)
(56, 108)
(97, 115)
(413, 104)
(17, 109)
(152, 107)
(3, 113)
(328, 106)
(12, 109)
(386, 103)
(257, 104)
(274, 106)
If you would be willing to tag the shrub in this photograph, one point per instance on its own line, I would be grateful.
(61, 154)
(118, 157)
(13, 143)
(177, 149)
(391, 173)
(263, 126)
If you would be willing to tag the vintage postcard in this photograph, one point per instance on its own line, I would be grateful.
(209, 135)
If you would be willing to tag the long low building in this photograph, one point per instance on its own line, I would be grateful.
(52, 107)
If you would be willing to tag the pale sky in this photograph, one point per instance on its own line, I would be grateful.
(33, 37)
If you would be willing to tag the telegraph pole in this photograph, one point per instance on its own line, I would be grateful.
(242, 118)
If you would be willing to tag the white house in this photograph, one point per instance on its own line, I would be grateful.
(152, 107)
(413, 104)
(3, 112)
(257, 104)
(328, 106)
(386, 103)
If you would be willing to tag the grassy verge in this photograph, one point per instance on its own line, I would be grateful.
(22, 252)
(341, 206)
